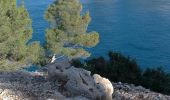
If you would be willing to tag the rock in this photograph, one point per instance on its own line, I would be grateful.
(22, 86)
(105, 85)
(77, 98)
(66, 82)
(79, 81)
(1, 90)
(124, 91)
(7, 94)
(57, 70)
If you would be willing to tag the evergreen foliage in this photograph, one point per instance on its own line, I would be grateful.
(15, 32)
(68, 32)
(157, 79)
(124, 69)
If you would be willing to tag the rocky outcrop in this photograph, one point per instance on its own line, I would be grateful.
(57, 81)
(24, 86)
(79, 81)
(60, 81)
(124, 91)
(105, 87)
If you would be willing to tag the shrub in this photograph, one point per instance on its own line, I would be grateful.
(157, 80)
(119, 68)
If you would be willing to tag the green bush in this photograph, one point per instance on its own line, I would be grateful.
(119, 68)
(124, 69)
(157, 80)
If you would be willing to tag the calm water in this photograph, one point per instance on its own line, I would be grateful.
(138, 28)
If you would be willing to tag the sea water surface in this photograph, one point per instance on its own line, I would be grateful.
(137, 28)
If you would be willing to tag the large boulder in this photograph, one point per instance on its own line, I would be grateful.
(105, 85)
(79, 82)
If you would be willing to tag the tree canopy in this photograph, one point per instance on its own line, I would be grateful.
(67, 34)
(15, 32)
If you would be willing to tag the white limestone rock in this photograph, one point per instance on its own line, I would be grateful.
(105, 85)
(79, 82)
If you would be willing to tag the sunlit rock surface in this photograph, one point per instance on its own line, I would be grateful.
(78, 81)
(23, 86)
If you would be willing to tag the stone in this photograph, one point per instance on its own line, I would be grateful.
(79, 82)
(1, 90)
(105, 85)
(57, 70)
(135, 93)
(22, 86)
(66, 82)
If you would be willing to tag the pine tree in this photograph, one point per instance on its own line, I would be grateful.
(15, 32)
(68, 34)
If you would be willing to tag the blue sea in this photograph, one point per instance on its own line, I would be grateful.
(137, 28)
